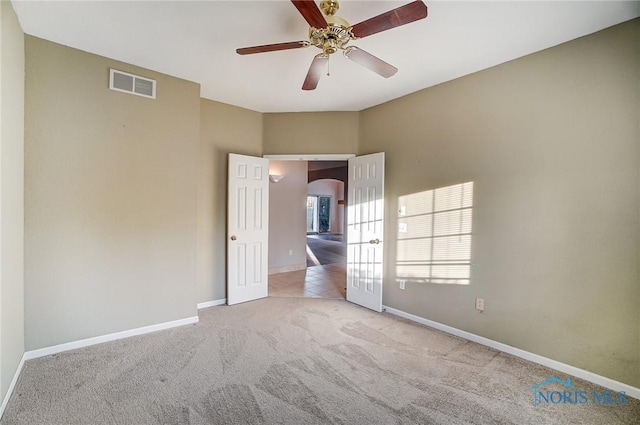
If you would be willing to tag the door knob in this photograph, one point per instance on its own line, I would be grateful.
(374, 241)
(233, 237)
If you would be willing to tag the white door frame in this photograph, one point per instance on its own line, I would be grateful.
(306, 157)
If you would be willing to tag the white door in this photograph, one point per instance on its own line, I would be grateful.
(247, 228)
(365, 230)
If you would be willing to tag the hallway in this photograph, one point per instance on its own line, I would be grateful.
(326, 249)
(325, 276)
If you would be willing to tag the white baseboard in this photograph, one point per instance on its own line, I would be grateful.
(12, 385)
(285, 269)
(34, 354)
(212, 303)
(544, 361)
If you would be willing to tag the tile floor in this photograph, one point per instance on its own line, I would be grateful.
(327, 281)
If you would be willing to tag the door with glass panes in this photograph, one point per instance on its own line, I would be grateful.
(318, 214)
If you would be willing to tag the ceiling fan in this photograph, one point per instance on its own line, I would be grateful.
(330, 33)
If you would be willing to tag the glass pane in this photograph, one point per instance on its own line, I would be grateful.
(323, 214)
(311, 213)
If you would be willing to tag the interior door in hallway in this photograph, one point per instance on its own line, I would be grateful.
(247, 228)
(365, 231)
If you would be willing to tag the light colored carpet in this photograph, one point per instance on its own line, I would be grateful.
(294, 361)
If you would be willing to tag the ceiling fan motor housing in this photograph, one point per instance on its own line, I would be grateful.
(332, 38)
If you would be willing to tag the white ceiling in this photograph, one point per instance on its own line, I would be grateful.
(197, 41)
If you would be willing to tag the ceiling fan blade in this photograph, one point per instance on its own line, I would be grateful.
(402, 15)
(315, 71)
(370, 62)
(310, 12)
(272, 47)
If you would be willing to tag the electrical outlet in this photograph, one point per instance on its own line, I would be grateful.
(291, 252)
(480, 304)
(402, 284)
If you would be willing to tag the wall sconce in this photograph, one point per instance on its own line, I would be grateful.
(275, 177)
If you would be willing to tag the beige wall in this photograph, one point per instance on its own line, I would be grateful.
(224, 129)
(287, 216)
(311, 132)
(12, 195)
(110, 198)
(551, 142)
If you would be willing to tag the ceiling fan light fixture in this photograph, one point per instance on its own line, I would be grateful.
(330, 46)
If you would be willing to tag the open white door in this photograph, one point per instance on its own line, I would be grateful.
(248, 228)
(365, 222)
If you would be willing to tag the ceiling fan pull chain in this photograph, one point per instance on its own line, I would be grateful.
(328, 60)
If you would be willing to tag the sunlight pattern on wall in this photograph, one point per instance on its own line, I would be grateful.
(434, 235)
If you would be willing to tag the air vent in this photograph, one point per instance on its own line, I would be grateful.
(133, 84)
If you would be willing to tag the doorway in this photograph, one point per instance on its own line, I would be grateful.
(324, 274)
(363, 271)
(327, 189)
(326, 241)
